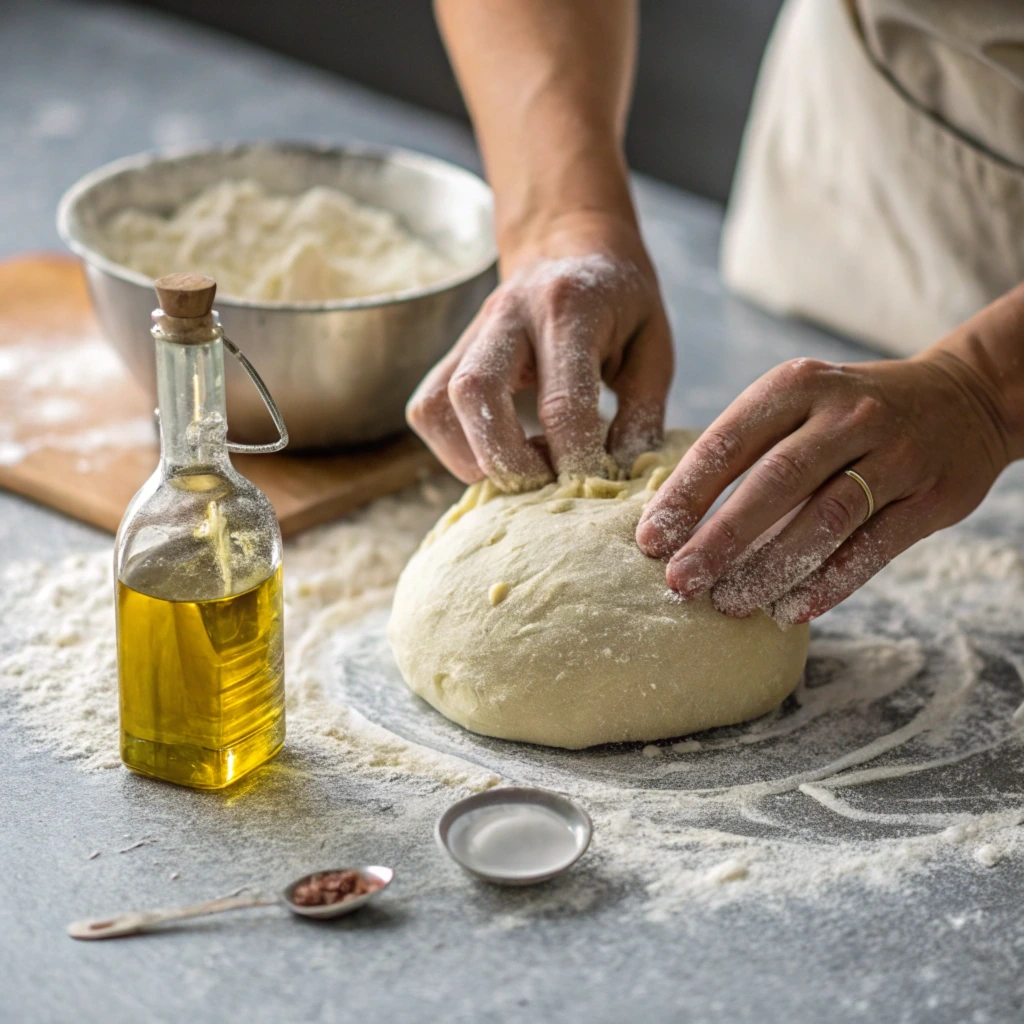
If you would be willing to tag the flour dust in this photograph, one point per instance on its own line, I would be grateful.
(900, 753)
(45, 395)
(313, 247)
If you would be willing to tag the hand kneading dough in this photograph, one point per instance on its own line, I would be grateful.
(535, 617)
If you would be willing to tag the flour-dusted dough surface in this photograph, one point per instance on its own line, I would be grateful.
(535, 617)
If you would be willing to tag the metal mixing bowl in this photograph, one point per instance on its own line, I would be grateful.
(341, 371)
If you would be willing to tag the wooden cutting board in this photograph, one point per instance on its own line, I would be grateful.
(77, 432)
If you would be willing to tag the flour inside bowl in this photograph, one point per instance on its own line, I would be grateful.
(321, 244)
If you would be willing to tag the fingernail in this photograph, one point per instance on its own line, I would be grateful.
(649, 539)
(689, 575)
(661, 533)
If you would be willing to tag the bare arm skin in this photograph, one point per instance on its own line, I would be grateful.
(929, 435)
(548, 85)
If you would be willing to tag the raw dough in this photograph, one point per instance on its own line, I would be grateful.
(535, 617)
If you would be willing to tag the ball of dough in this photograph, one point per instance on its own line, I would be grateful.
(536, 617)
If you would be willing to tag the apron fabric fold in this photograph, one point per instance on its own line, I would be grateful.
(876, 191)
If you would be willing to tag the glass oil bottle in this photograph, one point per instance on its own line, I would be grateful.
(198, 565)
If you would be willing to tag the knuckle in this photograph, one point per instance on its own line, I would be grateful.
(561, 295)
(502, 304)
(720, 446)
(469, 386)
(868, 411)
(557, 409)
(781, 472)
(426, 409)
(801, 371)
(836, 515)
(722, 531)
(417, 415)
(927, 504)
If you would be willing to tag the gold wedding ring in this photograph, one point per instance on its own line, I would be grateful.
(854, 475)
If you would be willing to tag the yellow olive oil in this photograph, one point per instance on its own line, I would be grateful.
(201, 684)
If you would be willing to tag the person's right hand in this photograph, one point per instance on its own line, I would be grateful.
(579, 303)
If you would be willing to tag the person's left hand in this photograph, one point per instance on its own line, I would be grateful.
(926, 435)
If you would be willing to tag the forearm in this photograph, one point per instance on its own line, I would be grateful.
(548, 86)
(990, 348)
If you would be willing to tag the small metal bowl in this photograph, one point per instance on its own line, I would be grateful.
(340, 371)
(514, 835)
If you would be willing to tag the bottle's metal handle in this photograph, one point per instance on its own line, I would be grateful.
(268, 401)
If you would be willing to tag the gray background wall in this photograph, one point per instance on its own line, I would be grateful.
(698, 62)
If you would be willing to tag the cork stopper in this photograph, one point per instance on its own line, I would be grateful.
(186, 296)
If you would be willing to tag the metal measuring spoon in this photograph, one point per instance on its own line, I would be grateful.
(134, 922)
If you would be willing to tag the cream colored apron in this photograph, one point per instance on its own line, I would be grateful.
(880, 188)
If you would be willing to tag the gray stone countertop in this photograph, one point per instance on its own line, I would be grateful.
(86, 83)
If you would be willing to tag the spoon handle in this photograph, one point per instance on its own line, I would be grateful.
(133, 922)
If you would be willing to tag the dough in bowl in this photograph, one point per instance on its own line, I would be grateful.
(535, 617)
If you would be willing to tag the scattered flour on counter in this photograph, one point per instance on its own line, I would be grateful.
(95, 445)
(900, 754)
(62, 674)
(71, 365)
(316, 246)
(906, 726)
(48, 392)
